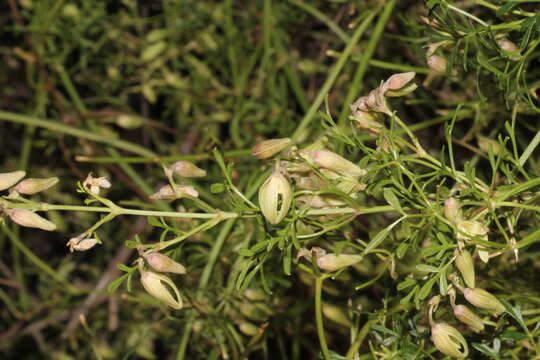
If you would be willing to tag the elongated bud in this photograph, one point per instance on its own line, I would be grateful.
(319, 202)
(468, 317)
(269, 148)
(332, 161)
(452, 209)
(163, 263)
(78, 244)
(399, 84)
(33, 186)
(483, 300)
(187, 169)
(9, 179)
(275, 196)
(465, 265)
(437, 63)
(154, 284)
(471, 229)
(449, 340)
(333, 262)
(335, 314)
(510, 48)
(248, 328)
(129, 122)
(167, 192)
(255, 294)
(29, 218)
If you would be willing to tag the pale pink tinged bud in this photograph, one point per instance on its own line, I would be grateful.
(510, 48)
(28, 218)
(333, 262)
(155, 285)
(163, 263)
(449, 340)
(437, 63)
(248, 328)
(269, 148)
(452, 209)
(483, 300)
(187, 169)
(468, 317)
(465, 265)
(9, 179)
(332, 161)
(275, 197)
(399, 81)
(167, 192)
(78, 244)
(33, 186)
(335, 314)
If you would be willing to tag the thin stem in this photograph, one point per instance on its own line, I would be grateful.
(359, 339)
(319, 318)
(158, 159)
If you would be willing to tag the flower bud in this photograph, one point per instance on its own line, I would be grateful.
(248, 328)
(367, 121)
(437, 63)
(468, 317)
(28, 218)
(399, 84)
(167, 192)
(162, 263)
(9, 179)
(483, 300)
(78, 244)
(319, 201)
(335, 314)
(332, 161)
(452, 209)
(333, 262)
(129, 122)
(187, 169)
(275, 196)
(485, 143)
(464, 263)
(511, 50)
(33, 186)
(154, 285)
(269, 148)
(255, 294)
(449, 340)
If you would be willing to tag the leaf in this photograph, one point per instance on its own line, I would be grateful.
(408, 282)
(116, 283)
(506, 8)
(217, 188)
(392, 199)
(427, 268)
(426, 288)
(407, 299)
(124, 268)
(513, 335)
(515, 312)
(381, 235)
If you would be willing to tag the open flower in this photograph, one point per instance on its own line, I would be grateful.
(95, 184)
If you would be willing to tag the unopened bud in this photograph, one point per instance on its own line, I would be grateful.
(167, 192)
(332, 161)
(275, 196)
(127, 121)
(335, 314)
(29, 218)
(248, 328)
(452, 209)
(255, 294)
(269, 148)
(9, 179)
(333, 262)
(510, 48)
(163, 263)
(483, 300)
(154, 284)
(78, 244)
(465, 265)
(33, 186)
(437, 63)
(449, 340)
(485, 144)
(399, 84)
(320, 201)
(187, 169)
(468, 317)
(471, 228)
(367, 120)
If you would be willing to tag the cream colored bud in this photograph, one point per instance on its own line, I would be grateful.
(333, 262)
(510, 48)
(335, 314)
(269, 148)
(29, 218)
(275, 197)
(332, 161)
(127, 121)
(465, 265)
(319, 201)
(163, 263)
(468, 317)
(187, 169)
(437, 63)
(368, 121)
(78, 244)
(255, 294)
(248, 328)
(483, 300)
(154, 284)
(449, 340)
(167, 192)
(452, 209)
(471, 228)
(9, 179)
(33, 186)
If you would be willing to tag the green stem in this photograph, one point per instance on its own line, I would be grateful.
(319, 317)
(359, 339)
(158, 159)
(332, 77)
